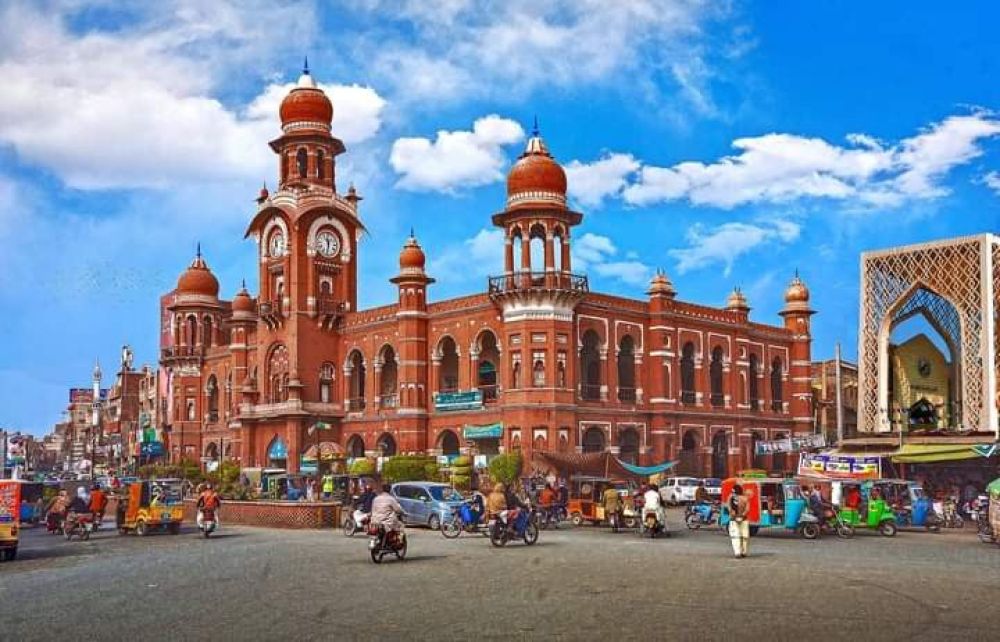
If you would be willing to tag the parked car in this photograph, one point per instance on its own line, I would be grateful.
(678, 490)
(426, 503)
(714, 487)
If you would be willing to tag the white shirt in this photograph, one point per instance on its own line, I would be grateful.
(651, 500)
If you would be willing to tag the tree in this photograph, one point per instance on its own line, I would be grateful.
(506, 468)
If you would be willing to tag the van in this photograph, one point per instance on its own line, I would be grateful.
(678, 490)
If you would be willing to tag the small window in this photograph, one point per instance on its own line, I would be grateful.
(320, 169)
(302, 162)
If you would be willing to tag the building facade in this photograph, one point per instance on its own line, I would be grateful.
(824, 383)
(534, 361)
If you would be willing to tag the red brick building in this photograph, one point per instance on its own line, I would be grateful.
(535, 361)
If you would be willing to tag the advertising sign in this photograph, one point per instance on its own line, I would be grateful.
(81, 395)
(151, 449)
(469, 400)
(10, 501)
(845, 466)
(489, 431)
(793, 444)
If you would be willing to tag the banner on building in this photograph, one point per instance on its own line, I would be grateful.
(845, 466)
(793, 444)
(469, 400)
(489, 431)
(10, 502)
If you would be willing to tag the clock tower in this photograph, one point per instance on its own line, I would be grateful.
(307, 237)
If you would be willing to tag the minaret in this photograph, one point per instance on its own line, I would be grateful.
(797, 315)
(412, 352)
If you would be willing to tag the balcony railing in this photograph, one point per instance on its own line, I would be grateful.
(590, 392)
(538, 280)
(356, 405)
(174, 352)
(269, 308)
(388, 400)
(626, 394)
(755, 404)
(717, 399)
(327, 305)
(688, 397)
(777, 405)
(490, 393)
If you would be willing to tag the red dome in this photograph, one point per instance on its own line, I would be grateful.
(536, 176)
(198, 279)
(242, 301)
(306, 104)
(412, 257)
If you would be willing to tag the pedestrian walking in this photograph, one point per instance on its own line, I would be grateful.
(311, 490)
(327, 486)
(739, 526)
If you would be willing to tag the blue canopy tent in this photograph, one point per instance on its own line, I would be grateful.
(598, 464)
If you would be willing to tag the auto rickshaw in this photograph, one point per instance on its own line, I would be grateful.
(910, 503)
(774, 502)
(285, 486)
(10, 523)
(151, 505)
(32, 502)
(993, 490)
(586, 502)
(875, 512)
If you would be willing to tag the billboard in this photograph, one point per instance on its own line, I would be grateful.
(844, 466)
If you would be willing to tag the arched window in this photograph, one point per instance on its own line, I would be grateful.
(715, 377)
(538, 374)
(326, 373)
(356, 382)
(515, 375)
(489, 357)
(192, 331)
(388, 383)
(561, 374)
(626, 369)
(448, 376)
(355, 447)
(688, 395)
(449, 443)
(756, 461)
(229, 392)
(776, 393)
(720, 455)
(320, 169)
(277, 375)
(207, 329)
(590, 366)
(324, 287)
(302, 162)
(628, 445)
(212, 392)
(386, 445)
(688, 457)
(753, 386)
(536, 248)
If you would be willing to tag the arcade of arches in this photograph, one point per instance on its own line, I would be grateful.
(532, 359)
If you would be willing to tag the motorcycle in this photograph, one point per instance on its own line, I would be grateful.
(949, 515)
(355, 522)
(79, 524)
(551, 516)
(54, 523)
(464, 518)
(382, 542)
(512, 524)
(698, 515)
(615, 521)
(208, 522)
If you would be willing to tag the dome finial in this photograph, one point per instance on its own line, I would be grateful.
(412, 235)
(305, 65)
(534, 129)
(243, 284)
(198, 250)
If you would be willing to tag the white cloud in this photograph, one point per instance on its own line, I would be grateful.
(135, 108)
(455, 159)
(727, 242)
(595, 253)
(992, 181)
(509, 49)
(477, 257)
(591, 183)
(778, 168)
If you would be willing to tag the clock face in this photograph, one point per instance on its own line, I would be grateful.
(327, 243)
(277, 245)
(924, 367)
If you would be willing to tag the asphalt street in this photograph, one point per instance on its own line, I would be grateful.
(574, 584)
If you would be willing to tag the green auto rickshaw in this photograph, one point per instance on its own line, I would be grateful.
(874, 512)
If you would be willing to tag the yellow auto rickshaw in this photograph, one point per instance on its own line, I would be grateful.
(151, 505)
(10, 523)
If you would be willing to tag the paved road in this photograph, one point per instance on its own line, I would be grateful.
(249, 583)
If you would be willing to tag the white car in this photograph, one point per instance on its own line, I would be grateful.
(678, 490)
(714, 487)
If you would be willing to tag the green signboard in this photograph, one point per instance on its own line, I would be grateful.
(470, 400)
(489, 431)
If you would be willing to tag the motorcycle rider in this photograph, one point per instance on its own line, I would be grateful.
(98, 503)
(652, 503)
(386, 512)
(363, 505)
(56, 512)
(79, 507)
(208, 500)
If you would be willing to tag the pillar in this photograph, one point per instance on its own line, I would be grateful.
(508, 254)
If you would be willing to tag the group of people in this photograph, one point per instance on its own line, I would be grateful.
(90, 503)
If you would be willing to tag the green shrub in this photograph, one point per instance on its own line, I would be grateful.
(462, 461)
(461, 482)
(506, 468)
(409, 468)
(365, 467)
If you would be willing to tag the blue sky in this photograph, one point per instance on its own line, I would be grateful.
(727, 143)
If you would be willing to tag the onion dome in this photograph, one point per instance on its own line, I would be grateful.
(306, 106)
(198, 279)
(536, 178)
(243, 302)
(797, 295)
(737, 301)
(411, 258)
(660, 285)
